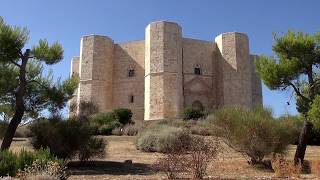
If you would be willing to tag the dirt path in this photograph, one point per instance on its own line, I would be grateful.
(230, 165)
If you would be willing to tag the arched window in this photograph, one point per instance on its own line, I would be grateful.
(197, 105)
(197, 69)
(131, 72)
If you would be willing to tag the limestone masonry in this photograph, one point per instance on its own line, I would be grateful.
(161, 75)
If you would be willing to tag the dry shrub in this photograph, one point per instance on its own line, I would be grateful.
(162, 138)
(194, 159)
(202, 152)
(315, 168)
(285, 168)
(255, 133)
(173, 164)
(39, 170)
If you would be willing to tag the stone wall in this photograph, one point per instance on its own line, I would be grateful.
(198, 53)
(234, 69)
(129, 56)
(74, 71)
(164, 80)
(163, 71)
(256, 83)
(96, 67)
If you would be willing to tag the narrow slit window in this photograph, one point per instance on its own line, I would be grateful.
(131, 99)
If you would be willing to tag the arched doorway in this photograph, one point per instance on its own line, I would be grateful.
(197, 105)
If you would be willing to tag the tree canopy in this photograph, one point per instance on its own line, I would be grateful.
(295, 66)
(24, 87)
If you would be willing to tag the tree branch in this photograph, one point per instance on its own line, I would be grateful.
(297, 91)
(15, 63)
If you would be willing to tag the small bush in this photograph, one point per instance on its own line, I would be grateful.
(194, 159)
(104, 123)
(106, 129)
(8, 164)
(50, 170)
(94, 147)
(190, 113)
(162, 138)
(284, 168)
(64, 138)
(132, 129)
(254, 133)
(123, 115)
(11, 162)
(202, 151)
(3, 128)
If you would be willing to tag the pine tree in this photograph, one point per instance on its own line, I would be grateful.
(23, 86)
(295, 66)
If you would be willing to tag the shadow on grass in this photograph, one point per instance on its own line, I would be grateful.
(109, 167)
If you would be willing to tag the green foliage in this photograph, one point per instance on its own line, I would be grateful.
(162, 138)
(106, 129)
(23, 87)
(314, 112)
(11, 162)
(48, 54)
(94, 147)
(3, 127)
(254, 133)
(7, 163)
(295, 66)
(104, 123)
(12, 40)
(71, 138)
(190, 113)
(123, 115)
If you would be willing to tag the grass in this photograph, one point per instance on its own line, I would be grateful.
(230, 165)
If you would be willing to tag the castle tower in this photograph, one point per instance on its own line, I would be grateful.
(235, 76)
(163, 71)
(74, 71)
(96, 71)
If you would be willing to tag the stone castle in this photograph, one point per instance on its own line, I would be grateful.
(161, 75)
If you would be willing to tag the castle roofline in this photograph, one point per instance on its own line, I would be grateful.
(233, 32)
(164, 21)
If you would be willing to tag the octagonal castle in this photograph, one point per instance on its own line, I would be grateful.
(161, 75)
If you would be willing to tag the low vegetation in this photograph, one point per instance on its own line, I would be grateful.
(105, 123)
(162, 138)
(254, 133)
(66, 138)
(285, 168)
(194, 114)
(11, 163)
(194, 159)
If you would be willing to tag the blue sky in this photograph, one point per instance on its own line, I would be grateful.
(124, 20)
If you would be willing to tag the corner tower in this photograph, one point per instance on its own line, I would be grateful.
(163, 71)
(235, 70)
(96, 71)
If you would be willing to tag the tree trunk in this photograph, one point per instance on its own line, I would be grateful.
(11, 130)
(19, 103)
(303, 141)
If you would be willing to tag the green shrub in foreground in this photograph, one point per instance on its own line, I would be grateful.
(254, 133)
(123, 115)
(11, 162)
(190, 113)
(65, 139)
(162, 138)
(3, 127)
